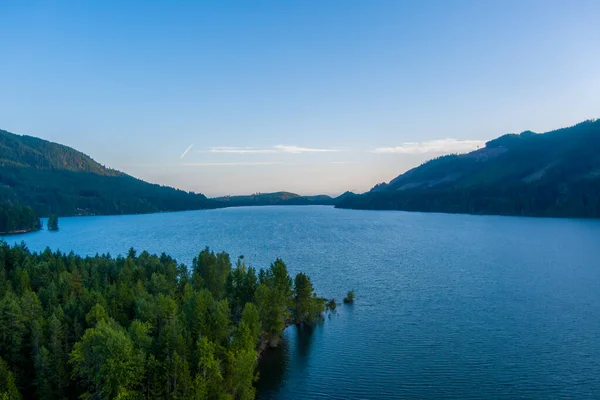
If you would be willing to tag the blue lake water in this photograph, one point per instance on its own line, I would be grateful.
(448, 306)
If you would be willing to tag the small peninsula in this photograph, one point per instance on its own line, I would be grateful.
(141, 326)
(15, 219)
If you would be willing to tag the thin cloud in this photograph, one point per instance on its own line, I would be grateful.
(275, 149)
(186, 151)
(229, 164)
(296, 149)
(432, 146)
(209, 164)
(239, 150)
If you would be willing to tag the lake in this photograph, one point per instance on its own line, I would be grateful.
(448, 306)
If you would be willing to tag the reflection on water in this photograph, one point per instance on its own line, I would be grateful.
(295, 345)
(273, 366)
(447, 306)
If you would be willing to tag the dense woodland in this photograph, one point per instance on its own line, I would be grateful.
(556, 174)
(141, 326)
(553, 174)
(65, 193)
(576, 200)
(15, 218)
(56, 179)
(275, 199)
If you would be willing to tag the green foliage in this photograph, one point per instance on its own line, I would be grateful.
(8, 388)
(274, 299)
(210, 271)
(331, 304)
(56, 179)
(556, 174)
(306, 304)
(209, 379)
(248, 330)
(96, 314)
(43, 375)
(277, 198)
(240, 288)
(15, 218)
(349, 299)
(52, 222)
(12, 329)
(106, 362)
(243, 374)
(140, 327)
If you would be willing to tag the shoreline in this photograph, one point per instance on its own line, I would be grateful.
(475, 214)
(196, 209)
(19, 232)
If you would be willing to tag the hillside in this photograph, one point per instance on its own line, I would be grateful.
(52, 178)
(271, 199)
(552, 174)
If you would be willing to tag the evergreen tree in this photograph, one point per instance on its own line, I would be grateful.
(8, 388)
(106, 362)
(138, 327)
(209, 380)
(43, 376)
(303, 300)
(12, 329)
(52, 222)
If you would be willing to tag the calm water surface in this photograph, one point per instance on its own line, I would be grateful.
(448, 306)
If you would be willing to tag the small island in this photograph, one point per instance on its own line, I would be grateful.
(53, 222)
(349, 299)
(141, 326)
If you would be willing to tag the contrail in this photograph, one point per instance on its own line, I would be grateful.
(186, 151)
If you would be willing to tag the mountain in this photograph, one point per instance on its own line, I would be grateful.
(271, 199)
(554, 174)
(56, 179)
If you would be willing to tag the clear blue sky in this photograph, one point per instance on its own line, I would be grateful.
(305, 96)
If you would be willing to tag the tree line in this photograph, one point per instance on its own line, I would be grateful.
(66, 193)
(555, 174)
(17, 218)
(141, 326)
(571, 200)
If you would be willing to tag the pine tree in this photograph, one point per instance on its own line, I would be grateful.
(52, 222)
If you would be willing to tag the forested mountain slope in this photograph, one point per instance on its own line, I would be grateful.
(272, 199)
(551, 174)
(52, 178)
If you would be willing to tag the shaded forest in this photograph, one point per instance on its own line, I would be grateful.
(555, 174)
(141, 326)
(56, 179)
(275, 199)
(15, 218)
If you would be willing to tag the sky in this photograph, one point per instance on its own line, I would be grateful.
(238, 97)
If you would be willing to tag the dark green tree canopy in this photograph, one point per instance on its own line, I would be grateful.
(56, 179)
(141, 326)
(555, 174)
(15, 218)
(53, 222)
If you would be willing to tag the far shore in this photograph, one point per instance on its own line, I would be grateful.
(18, 232)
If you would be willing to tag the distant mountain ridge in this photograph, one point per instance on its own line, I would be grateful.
(53, 178)
(24, 151)
(57, 179)
(276, 198)
(551, 174)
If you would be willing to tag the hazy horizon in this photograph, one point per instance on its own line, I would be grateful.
(228, 98)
